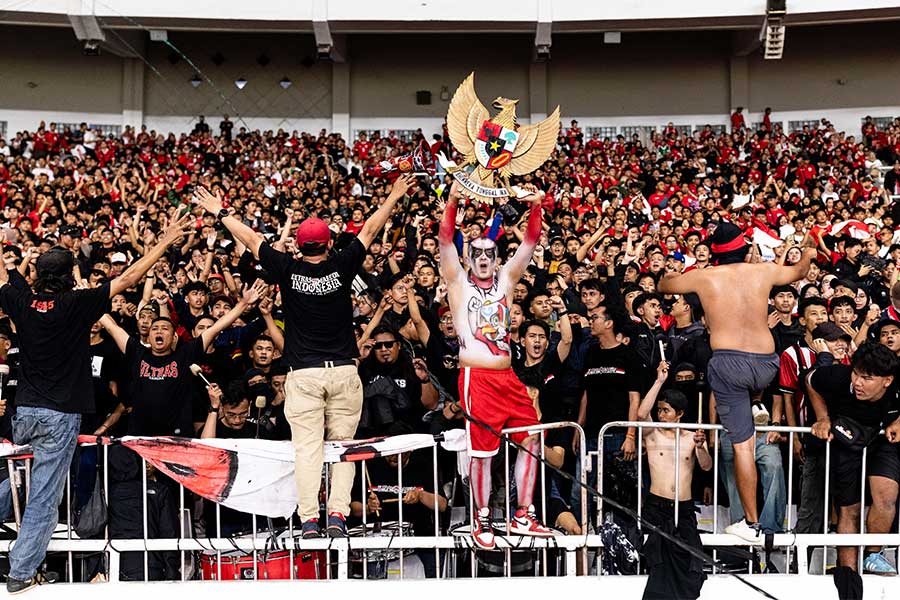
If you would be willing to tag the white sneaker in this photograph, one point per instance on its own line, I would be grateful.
(525, 522)
(482, 532)
(760, 414)
(746, 531)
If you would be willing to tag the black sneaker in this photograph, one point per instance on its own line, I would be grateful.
(17, 586)
(337, 528)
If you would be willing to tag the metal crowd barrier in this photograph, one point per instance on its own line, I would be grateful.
(789, 541)
(337, 553)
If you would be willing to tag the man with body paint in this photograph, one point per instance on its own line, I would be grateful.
(490, 392)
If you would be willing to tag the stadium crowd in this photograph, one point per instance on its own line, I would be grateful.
(588, 327)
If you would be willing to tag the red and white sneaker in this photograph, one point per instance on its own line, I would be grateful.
(483, 532)
(525, 522)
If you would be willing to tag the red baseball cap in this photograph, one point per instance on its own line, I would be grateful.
(313, 231)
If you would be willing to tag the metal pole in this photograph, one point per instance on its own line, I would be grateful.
(825, 508)
(364, 484)
(543, 497)
(144, 505)
(862, 512)
(436, 489)
(790, 496)
(715, 507)
(507, 564)
(400, 507)
(677, 471)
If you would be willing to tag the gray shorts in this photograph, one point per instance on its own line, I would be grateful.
(734, 376)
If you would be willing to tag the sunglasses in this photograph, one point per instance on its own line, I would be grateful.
(488, 252)
(383, 345)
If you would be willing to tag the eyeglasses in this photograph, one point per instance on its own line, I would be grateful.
(383, 345)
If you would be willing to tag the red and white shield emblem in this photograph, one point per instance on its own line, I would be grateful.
(494, 145)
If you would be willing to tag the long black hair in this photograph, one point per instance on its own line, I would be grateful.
(54, 271)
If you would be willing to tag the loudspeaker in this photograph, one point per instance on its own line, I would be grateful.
(423, 97)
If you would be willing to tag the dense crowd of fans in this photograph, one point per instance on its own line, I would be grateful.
(619, 214)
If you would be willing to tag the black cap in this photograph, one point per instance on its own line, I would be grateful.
(830, 332)
(151, 307)
(71, 230)
(195, 286)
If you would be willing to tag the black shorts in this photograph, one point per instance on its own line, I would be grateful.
(882, 460)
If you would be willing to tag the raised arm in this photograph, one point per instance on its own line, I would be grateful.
(565, 329)
(516, 266)
(450, 268)
(130, 278)
(795, 272)
(376, 222)
(244, 234)
(250, 296)
(586, 247)
(265, 308)
(680, 283)
(646, 406)
(119, 335)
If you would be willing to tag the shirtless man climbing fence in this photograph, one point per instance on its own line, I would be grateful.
(489, 391)
(735, 298)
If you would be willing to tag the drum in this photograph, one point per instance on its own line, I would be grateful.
(493, 563)
(377, 562)
(271, 565)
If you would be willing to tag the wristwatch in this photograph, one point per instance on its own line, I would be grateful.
(222, 213)
(213, 409)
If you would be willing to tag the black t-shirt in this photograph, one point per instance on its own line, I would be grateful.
(247, 431)
(218, 368)
(786, 336)
(833, 384)
(161, 388)
(544, 377)
(443, 361)
(317, 304)
(407, 383)
(54, 333)
(9, 387)
(106, 367)
(610, 374)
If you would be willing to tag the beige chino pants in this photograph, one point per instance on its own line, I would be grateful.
(322, 404)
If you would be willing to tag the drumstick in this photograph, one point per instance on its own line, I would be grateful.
(377, 526)
(699, 407)
(662, 351)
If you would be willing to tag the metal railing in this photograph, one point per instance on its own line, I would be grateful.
(799, 542)
(333, 557)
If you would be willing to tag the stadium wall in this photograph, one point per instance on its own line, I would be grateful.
(688, 77)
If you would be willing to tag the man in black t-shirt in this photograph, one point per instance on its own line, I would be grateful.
(320, 347)
(865, 393)
(160, 377)
(106, 372)
(612, 384)
(55, 387)
(540, 369)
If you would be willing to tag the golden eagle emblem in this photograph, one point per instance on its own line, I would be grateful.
(494, 149)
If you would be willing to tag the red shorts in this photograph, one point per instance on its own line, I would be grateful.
(499, 399)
